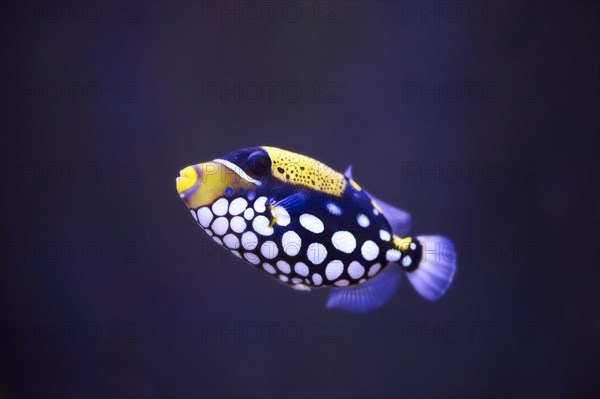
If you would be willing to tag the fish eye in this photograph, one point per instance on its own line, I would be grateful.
(259, 163)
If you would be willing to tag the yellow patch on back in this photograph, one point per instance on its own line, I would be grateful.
(401, 244)
(304, 171)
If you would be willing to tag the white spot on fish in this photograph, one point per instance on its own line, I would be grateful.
(334, 209)
(269, 268)
(238, 206)
(261, 226)
(259, 204)
(301, 269)
(406, 261)
(284, 266)
(363, 220)
(369, 250)
(311, 223)
(343, 241)
(205, 216)
(231, 241)
(291, 242)
(356, 270)
(249, 241)
(374, 269)
(316, 253)
(220, 206)
(238, 224)
(301, 287)
(334, 269)
(393, 255)
(342, 283)
(249, 213)
(283, 217)
(269, 249)
(384, 235)
(252, 258)
(317, 279)
(220, 226)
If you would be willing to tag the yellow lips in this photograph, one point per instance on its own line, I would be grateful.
(186, 180)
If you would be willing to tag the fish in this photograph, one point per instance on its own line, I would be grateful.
(309, 226)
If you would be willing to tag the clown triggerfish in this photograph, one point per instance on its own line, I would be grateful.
(308, 226)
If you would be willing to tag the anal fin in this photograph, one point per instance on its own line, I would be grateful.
(369, 295)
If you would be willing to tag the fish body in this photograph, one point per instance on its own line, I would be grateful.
(309, 226)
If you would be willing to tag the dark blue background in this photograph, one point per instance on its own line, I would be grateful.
(146, 306)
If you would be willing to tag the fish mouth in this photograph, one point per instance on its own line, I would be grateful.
(188, 181)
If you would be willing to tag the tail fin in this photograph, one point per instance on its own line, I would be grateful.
(434, 272)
